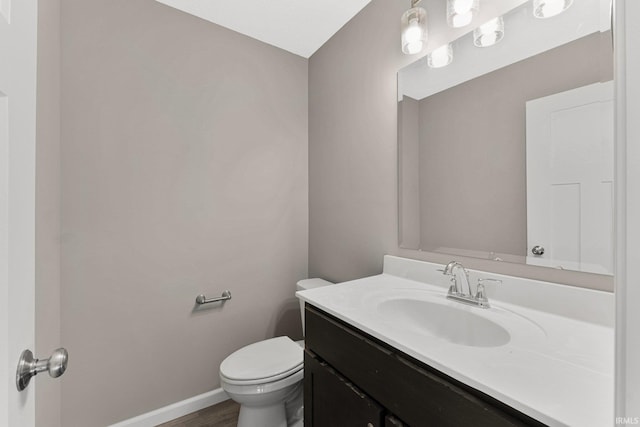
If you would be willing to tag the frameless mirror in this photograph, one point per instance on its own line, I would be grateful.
(507, 152)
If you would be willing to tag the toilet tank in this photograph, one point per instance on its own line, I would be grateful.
(306, 284)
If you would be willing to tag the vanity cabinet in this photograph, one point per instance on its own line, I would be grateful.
(336, 401)
(352, 379)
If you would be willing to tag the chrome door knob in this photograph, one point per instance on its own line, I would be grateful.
(29, 367)
(537, 250)
(57, 363)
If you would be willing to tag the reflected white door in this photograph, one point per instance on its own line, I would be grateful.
(570, 179)
(18, 27)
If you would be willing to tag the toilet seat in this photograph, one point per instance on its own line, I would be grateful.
(262, 362)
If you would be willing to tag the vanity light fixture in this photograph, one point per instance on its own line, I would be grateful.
(461, 12)
(489, 33)
(549, 8)
(441, 57)
(414, 29)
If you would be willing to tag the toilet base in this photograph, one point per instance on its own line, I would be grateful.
(279, 407)
(266, 416)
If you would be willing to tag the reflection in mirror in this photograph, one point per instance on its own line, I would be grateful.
(507, 153)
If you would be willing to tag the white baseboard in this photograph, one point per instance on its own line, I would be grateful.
(175, 410)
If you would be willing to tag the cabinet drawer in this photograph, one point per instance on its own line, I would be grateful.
(332, 401)
(416, 393)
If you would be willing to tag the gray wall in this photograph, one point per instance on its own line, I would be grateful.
(352, 145)
(184, 170)
(353, 191)
(47, 272)
(483, 156)
(409, 177)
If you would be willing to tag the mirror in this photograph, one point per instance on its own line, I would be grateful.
(507, 153)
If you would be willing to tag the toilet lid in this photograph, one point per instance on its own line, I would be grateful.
(270, 359)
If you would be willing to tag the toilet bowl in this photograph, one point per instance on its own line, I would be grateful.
(262, 377)
(265, 378)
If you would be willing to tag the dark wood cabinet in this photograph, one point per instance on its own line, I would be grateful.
(391, 421)
(336, 401)
(353, 379)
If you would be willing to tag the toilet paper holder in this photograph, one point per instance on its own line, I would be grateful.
(201, 299)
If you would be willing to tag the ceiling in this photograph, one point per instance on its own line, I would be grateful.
(298, 26)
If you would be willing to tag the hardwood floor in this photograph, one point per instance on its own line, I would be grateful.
(224, 414)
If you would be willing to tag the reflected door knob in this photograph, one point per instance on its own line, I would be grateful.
(29, 367)
(537, 250)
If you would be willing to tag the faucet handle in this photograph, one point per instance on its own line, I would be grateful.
(453, 289)
(481, 293)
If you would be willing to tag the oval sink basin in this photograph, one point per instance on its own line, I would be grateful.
(457, 325)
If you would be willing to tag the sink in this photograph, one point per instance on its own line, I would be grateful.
(458, 325)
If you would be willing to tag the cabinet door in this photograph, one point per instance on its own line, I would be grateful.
(332, 401)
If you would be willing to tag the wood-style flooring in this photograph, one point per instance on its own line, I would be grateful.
(223, 414)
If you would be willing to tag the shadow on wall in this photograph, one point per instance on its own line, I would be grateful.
(287, 321)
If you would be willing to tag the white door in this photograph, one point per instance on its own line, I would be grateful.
(570, 179)
(18, 27)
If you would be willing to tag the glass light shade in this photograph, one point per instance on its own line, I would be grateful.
(461, 12)
(441, 57)
(414, 30)
(490, 33)
(549, 8)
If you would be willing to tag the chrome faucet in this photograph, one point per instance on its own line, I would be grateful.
(460, 290)
(460, 279)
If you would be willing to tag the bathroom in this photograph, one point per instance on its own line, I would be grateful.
(176, 157)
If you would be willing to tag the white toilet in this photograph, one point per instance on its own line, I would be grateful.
(265, 378)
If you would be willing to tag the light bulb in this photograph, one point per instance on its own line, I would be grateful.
(414, 47)
(413, 38)
(460, 12)
(462, 6)
(489, 39)
(549, 8)
(440, 57)
(489, 33)
(414, 30)
(413, 33)
(461, 20)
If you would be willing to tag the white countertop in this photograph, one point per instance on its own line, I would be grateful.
(556, 368)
